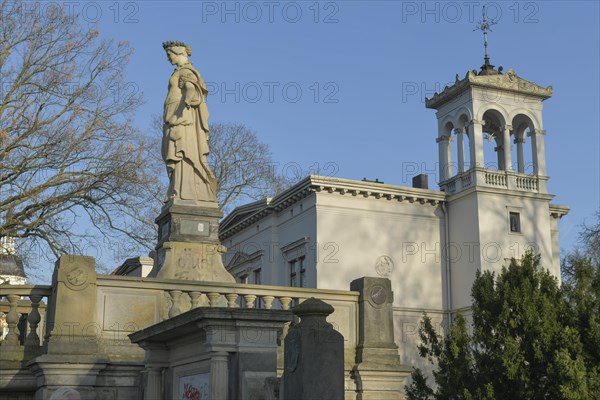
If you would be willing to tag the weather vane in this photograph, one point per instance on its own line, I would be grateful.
(485, 26)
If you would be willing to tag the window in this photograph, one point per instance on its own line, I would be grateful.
(297, 272)
(514, 220)
(243, 279)
(257, 277)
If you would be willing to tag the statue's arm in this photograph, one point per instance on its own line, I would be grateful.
(192, 97)
(188, 83)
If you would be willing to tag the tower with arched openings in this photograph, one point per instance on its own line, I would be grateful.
(492, 168)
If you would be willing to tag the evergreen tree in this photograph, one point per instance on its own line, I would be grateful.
(531, 339)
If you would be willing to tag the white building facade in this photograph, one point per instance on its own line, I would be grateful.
(324, 232)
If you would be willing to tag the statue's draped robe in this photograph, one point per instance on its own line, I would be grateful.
(185, 144)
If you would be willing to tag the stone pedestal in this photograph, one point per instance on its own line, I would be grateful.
(78, 372)
(313, 355)
(188, 243)
(217, 353)
(378, 371)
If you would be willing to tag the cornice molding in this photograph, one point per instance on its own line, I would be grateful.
(558, 211)
(335, 186)
(509, 82)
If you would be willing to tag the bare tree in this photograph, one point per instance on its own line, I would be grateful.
(68, 150)
(242, 164)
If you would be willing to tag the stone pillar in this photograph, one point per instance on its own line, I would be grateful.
(219, 373)
(378, 371)
(72, 331)
(72, 325)
(313, 355)
(154, 383)
(476, 143)
(506, 147)
(155, 364)
(539, 160)
(459, 132)
(499, 149)
(520, 158)
(538, 151)
(445, 157)
(78, 372)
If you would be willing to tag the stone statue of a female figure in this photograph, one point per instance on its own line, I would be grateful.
(185, 139)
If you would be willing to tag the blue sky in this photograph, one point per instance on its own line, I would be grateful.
(338, 87)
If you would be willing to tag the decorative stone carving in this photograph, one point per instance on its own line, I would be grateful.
(384, 266)
(537, 132)
(185, 134)
(77, 278)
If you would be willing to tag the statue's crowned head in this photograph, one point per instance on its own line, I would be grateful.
(178, 48)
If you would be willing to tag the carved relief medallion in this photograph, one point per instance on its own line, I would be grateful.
(77, 278)
(384, 266)
(378, 295)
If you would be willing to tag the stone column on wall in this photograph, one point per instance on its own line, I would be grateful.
(378, 372)
(313, 355)
(519, 141)
(72, 331)
(476, 143)
(506, 147)
(445, 157)
(460, 149)
(539, 158)
(72, 326)
(537, 148)
(477, 163)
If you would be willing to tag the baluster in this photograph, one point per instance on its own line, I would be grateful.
(12, 318)
(268, 302)
(249, 298)
(195, 298)
(213, 299)
(34, 319)
(231, 298)
(175, 309)
(285, 302)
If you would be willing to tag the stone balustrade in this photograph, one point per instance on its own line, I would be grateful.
(495, 179)
(126, 304)
(18, 301)
(181, 296)
(526, 182)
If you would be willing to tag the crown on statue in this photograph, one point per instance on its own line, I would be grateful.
(174, 43)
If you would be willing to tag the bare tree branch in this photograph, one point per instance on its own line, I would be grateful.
(69, 153)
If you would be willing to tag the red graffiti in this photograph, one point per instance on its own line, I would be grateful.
(191, 393)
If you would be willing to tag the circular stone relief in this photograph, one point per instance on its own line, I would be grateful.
(77, 278)
(378, 295)
(384, 266)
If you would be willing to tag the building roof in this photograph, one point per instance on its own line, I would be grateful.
(11, 265)
(509, 82)
(248, 214)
